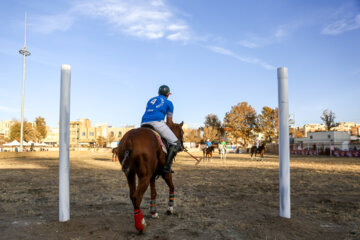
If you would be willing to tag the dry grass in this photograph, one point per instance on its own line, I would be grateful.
(236, 199)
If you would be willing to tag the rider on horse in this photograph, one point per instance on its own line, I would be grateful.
(208, 143)
(222, 144)
(156, 110)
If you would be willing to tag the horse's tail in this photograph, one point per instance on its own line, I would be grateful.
(125, 162)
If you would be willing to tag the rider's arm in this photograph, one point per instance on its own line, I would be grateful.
(169, 113)
(169, 120)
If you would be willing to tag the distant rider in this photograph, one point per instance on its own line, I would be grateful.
(208, 144)
(222, 144)
(156, 110)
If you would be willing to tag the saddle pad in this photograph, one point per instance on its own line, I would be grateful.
(158, 137)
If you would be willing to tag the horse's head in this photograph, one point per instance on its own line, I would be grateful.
(178, 131)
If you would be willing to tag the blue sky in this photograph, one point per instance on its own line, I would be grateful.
(212, 54)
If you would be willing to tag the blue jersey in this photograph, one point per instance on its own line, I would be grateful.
(157, 108)
(208, 144)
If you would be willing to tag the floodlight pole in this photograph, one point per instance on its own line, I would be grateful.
(284, 146)
(64, 163)
(25, 53)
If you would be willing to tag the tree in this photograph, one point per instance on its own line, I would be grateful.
(267, 124)
(241, 122)
(211, 133)
(276, 120)
(30, 134)
(100, 141)
(296, 133)
(328, 118)
(192, 135)
(40, 126)
(110, 137)
(211, 120)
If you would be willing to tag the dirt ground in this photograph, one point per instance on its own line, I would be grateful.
(236, 199)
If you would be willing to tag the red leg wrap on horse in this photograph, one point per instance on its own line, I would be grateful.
(138, 216)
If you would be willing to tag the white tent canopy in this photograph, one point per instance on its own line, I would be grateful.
(16, 143)
(12, 144)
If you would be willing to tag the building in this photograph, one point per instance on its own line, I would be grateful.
(5, 127)
(345, 126)
(83, 133)
(340, 140)
(313, 127)
(52, 136)
(355, 131)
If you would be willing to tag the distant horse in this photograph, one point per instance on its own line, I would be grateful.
(114, 154)
(260, 150)
(140, 154)
(207, 152)
(222, 151)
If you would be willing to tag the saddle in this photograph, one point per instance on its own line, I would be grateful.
(162, 141)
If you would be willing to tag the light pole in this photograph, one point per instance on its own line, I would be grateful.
(25, 53)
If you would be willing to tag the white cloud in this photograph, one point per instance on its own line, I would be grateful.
(254, 41)
(51, 23)
(342, 25)
(149, 19)
(7, 109)
(140, 18)
(255, 61)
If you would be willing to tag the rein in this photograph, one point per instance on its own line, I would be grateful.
(197, 160)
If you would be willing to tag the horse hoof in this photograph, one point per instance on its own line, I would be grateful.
(155, 215)
(142, 231)
(170, 210)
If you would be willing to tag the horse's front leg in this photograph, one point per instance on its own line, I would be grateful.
(169, 182)
(153, 211)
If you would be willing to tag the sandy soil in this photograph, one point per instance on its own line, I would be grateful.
(236, 199)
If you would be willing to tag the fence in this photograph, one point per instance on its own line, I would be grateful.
(320, 149)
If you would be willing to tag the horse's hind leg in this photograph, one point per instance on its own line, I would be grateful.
(153, 211)
(169, 182)
(132, 184)
(137, 197)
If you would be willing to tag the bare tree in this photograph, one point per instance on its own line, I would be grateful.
(211, 120)
(211, 133)
(100, 141)
(110, 137)
(192, 135)
(328, 118)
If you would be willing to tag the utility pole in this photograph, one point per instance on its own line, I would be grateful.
(25, 53)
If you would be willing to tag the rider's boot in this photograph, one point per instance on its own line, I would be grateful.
(173, 149)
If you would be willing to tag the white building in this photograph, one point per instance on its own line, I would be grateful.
(340, 140)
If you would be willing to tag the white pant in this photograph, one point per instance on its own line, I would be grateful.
(164, 131)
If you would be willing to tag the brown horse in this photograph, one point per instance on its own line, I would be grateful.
(208, 152)
(140, 154)
(260, 150)
(114, 154)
